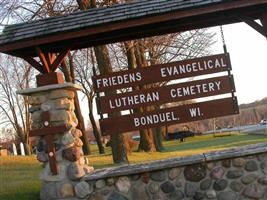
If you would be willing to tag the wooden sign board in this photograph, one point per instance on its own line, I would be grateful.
(163, 72)
(167, 94)
(169, 116)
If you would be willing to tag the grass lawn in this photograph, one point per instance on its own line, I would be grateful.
(19, 176)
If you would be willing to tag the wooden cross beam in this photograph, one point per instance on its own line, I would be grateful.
(48, 131)
(49, 61)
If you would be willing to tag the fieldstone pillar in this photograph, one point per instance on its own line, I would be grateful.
(58, 101)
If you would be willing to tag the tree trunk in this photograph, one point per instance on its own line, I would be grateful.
(96, 133)
(118, 150)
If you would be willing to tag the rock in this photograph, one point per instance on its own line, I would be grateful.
(153, 187)
(60, 115)
(64, 104)
(174, 172)
(232, 174)
(145, 178)
(199, 195)
(226, 163)
(71, 154)
(167, 187)
(37, 99)
(33, 109)
(264, 167)
(210, 165)
(220, 184)
(105, 192)
(138, 191)
(76, 132)
(263, 180)
(46, 106)
(249, 178)
(178, 182)
(123, 184)
(227, 195)
(49, 191)
(236, 186)
(190, 189)
(36, 116)
(110, 181)
(75, 171)
(116, 196)
(56, 94)
(46, 174)
(66, 190)
(158, 176)
(239, 162)
(251, 166)
(254, 191)
(195, 173)
(217, 173)
(205, 184)
(262, 157)
(176, 195)
(96, 196)
(42, 157)
(78, 142)
(99, 184)
(83, 189)
(211, 194)
(67, 139)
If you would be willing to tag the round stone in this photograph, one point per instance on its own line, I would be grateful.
(123, 184)
(110, 181)
(190, 189)
(199, 195)
(205, 184)
(139, 191)
(262, 157)
(251, 166)
(226, 163)
(236, 186)
(174, 172)
(217, 173)
(178, 182)
(211, 194)
(239, 162)
(87, 169)
(210, 165)
(176, 195)
(254, 191)
(83, 189)
(99, 184)
(227, 195)
(75, 171)
(167, 187)
(76, 133)
(249, 178)
(42, 157)
(158, 176)
(78, 142)
(263, 180)
(220, 184)
(71, 154)
(135, 177)
(66, 190)
(232, 174)
(153, 187)
(195, 173)
(67, 139)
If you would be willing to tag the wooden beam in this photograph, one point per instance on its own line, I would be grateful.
(264, 21)
(43, 59)
(59, 59)
(256, 26)
(34, 63)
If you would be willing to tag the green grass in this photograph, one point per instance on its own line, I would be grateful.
(19, 176)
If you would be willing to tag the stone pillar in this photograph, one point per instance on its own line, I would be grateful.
(72, 165)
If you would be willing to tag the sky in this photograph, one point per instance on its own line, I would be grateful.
(248, 52)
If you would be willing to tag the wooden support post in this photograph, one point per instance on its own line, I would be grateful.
(47, 132)
(256, 26)
(264, 22)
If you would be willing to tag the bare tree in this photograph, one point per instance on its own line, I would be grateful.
(15, 74)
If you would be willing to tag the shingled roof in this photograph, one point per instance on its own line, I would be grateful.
(122, 22)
